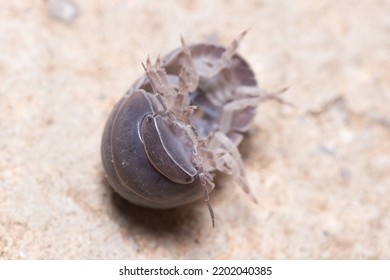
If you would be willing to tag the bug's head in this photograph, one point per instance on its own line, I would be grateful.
(170, 147)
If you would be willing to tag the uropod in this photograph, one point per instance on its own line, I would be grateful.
(179, 124)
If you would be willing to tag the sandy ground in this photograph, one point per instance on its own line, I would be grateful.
(321, 172)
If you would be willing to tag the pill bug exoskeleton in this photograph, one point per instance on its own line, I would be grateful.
(179, 124)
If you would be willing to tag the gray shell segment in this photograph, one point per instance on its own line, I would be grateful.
(128, 168)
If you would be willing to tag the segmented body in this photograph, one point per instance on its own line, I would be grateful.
(179, 124)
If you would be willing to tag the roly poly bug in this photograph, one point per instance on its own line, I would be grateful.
(179, 124)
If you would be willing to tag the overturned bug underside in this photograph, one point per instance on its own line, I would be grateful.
(179, 124)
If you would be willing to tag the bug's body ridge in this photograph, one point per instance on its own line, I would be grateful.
(179, 124)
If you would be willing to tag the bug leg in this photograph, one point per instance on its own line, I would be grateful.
(243, 98)
(204, 142)
(232, 107)
(207, 184)
(246, 92)
(187, 112)
(179, 103)
(265, 96)
(231, 163)
(188, 81)
(209, 159)
(176, 101)
(158, 80)
(182, 109)
(226, 59)
(231, 50)
(189, 75)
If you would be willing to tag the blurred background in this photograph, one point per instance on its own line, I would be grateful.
(320, 171)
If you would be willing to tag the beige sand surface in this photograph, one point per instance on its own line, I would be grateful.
(321, 172)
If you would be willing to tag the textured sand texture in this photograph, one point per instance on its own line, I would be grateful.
(321, 171)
